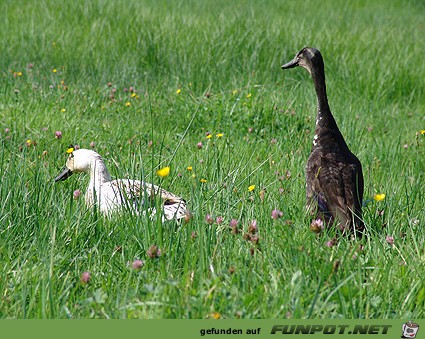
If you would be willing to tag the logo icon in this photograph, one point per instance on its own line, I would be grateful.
(409, 330)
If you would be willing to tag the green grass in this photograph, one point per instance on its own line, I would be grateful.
(225, 59)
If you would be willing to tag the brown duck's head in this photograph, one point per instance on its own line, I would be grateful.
(308, 58)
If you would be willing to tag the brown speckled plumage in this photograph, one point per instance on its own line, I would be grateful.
(333, 174)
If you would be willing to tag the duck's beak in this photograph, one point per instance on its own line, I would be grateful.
(66, 172)
(291, 64)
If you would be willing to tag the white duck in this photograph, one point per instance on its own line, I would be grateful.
(112, 195)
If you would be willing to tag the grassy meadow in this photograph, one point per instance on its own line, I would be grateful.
(144, 83)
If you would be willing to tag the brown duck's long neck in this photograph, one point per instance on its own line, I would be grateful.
(326, 128)
(324, 115)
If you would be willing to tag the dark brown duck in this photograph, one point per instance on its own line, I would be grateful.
(334, 174)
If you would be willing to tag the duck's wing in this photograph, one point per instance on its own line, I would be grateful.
(317, 201)
(141, 195)
(174, 207)
(336, 187)
(354, 186)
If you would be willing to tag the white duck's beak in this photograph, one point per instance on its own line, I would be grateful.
(66, 172)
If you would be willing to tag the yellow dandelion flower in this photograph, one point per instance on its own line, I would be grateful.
(127, 104)
(422, 131)
(19, 74)
(189, 168)
(133, 95)
(219, 135)
(249, 95)
(379, 197)
(209, 136)
(203, 181)
(54, 70)
(251, 188)
(63, 110)
(70, 150)
(216, 315)
(178, 91)
(163, 172)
